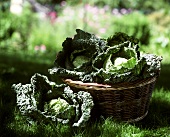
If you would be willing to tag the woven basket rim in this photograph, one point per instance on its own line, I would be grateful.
(117, 86)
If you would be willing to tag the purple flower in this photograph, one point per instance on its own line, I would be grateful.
(42, 48)
(102, 30)
(63, 3)
(36, 48)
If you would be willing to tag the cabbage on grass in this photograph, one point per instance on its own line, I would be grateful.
(108, 61)
(45, 101)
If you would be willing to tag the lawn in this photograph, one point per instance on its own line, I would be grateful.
(16, 67)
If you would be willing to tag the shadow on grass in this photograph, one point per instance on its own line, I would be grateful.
(16, 69)
(159, 112)
(164, 78)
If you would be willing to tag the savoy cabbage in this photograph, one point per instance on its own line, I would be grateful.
(43, 100)
(115, 59)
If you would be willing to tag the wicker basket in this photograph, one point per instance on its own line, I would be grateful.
(128, 101)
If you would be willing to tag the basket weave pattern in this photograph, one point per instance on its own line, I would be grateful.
(128, 101)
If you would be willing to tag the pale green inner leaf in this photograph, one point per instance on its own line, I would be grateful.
(80, 60)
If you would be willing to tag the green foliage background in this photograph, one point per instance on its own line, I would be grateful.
(27, 31)
(19, 59)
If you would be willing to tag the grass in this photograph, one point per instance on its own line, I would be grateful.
(19, 67)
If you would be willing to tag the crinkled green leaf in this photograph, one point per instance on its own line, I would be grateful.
(130, 63)
(120, 37)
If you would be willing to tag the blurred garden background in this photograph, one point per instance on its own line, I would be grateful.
(32, 32)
